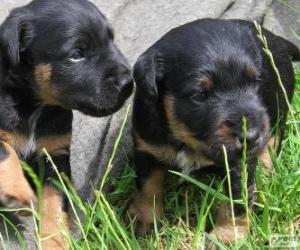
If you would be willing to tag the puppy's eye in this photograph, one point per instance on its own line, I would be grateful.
(77, 56)
(199, 97)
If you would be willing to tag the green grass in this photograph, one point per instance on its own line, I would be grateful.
(189, 206)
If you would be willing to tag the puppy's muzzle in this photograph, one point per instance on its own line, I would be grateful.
(252, 135)
(244, 119)
(125, 85)
(250, 126)
(120, 75)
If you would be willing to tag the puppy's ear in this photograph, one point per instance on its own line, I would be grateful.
(280, 43)
(147, 75)
(16, 34)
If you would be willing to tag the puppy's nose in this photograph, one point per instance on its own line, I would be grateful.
(252, 137)
(121, 76)
(116, 71)
(126, 84)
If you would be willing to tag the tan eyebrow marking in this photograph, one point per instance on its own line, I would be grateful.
(251, 72)
(206, 82)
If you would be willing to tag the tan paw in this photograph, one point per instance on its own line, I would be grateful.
(227, 235)
(143, 215)
(17, 196)
(15, 191)
(55, 222)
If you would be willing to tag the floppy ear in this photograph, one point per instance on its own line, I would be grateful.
(16, 33)
(146, 75)
(280, 43)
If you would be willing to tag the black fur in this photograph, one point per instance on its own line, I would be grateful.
(228, 55)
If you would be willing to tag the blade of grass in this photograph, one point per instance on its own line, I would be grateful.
(68, 196)
(2, 241)
(199, 234)
(38, 186)
(116, 145)
(6, 232)
(158, 244)
(109, 165)
(203, 186)
(230, 192)
(111, 229)
(244, 179)
(116, 221)
(297, 11)
(18, 235)
(267, 51)
(187, 210)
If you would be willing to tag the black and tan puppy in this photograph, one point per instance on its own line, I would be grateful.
(194, 86)
(55, 56)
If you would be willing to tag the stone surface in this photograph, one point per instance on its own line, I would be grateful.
(283, 17)
(138, 24)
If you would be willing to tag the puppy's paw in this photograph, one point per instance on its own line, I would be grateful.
(17, 196)
(143, 215)
(55, 224)
(227, 235)
(15, 191)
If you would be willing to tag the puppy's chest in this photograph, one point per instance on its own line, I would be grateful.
(41, 129)
(188, 160)
(26, 142)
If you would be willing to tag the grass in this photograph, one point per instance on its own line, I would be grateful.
(189, 206)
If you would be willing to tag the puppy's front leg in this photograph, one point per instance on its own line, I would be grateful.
(55, 221)
(15, 191)
(147, 203)
(224, 230)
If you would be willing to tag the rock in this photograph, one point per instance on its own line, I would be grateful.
(283, 18)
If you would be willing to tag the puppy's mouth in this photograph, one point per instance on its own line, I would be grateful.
(99, 109)
(99, 112)
(235, 146)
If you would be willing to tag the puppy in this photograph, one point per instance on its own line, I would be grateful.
(55, 56)
(194, 87)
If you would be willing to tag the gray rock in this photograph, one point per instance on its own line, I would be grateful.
(284, 19)
(138, 24)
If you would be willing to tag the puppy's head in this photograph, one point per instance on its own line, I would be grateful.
(65, 51)
(207, 80)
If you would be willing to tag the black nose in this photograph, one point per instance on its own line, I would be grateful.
(252, 137)
(126, 85)
(121, 76)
